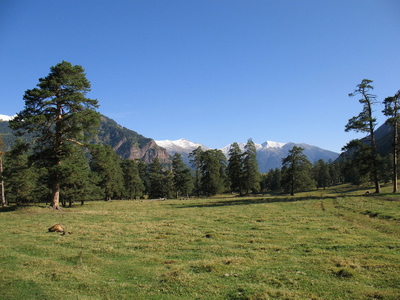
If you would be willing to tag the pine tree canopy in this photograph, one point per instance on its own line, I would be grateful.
(58, 114)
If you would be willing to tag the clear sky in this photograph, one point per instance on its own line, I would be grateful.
(211, 71)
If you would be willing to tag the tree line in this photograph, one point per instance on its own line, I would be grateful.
(61, 167)
(364, 159)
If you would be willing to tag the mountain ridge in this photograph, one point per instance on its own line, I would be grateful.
(128, 144)
(269, 153)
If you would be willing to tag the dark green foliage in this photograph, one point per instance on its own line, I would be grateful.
(213, 172)
(18, 175)
(357, 167)
(156, 179)
(366, 123)
(182, 179)
(235, 168)
(2, 194)
(42, 190)
(296, 171)
(195, 160)
(106, 163)
(133, 184)
(321, 174)
(58, 103)
(251, 176)
(160, 182)
(392, 111)
(9, 138)
(57, 114)
(78, 183)
(335, 172)
(387, 168)
(272, 181)
(25, 181)
(143, 170)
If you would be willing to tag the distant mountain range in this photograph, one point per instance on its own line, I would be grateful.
(129, 144)
(269, 154)
(6, 118)
(182, 146)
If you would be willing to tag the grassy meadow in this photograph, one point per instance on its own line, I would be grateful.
(332, 244)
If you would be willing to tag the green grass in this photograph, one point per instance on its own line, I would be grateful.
(332, 244)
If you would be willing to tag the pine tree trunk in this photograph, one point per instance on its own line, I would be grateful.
(395, 156)
(55, 201)
(292, 186)
(3, 199)
(374, 154)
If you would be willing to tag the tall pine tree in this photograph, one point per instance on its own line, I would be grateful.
(392, 111)
(213, 165)
(78, 183)
(158, 180)
(235, 168)
(182, 179)
(366, 123)
(133, 184)
(58, 113)
(296, 169)
(321, 174)
(20, 178)
(3, 198)
(195, 160)
(251, 175)
(106, 163)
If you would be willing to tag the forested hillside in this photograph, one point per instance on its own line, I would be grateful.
(127, 143)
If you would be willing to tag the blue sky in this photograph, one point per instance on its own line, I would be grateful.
(211, 71)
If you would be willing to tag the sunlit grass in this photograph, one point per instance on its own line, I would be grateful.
(327, 244)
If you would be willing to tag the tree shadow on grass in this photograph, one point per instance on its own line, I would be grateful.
(8, 208)
(249, 201)
(16, 207)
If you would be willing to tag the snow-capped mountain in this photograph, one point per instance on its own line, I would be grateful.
(271, 158)
(269, 154)
(6, 118)
(259, 147)
(182, 146)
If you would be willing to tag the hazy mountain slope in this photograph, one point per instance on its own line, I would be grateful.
(269, 154)
(129, 144)
(383, 139)
(125, 142)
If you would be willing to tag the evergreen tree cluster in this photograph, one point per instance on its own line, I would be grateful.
(362, 162)
(61, 167)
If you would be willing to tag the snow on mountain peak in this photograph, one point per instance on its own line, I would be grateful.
(184, 143)
(259, 147)
(6, 118)
(269, 154)
(270, 144)
(180, 145)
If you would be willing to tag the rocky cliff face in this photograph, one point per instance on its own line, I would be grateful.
(128, 144)
(148, 153)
